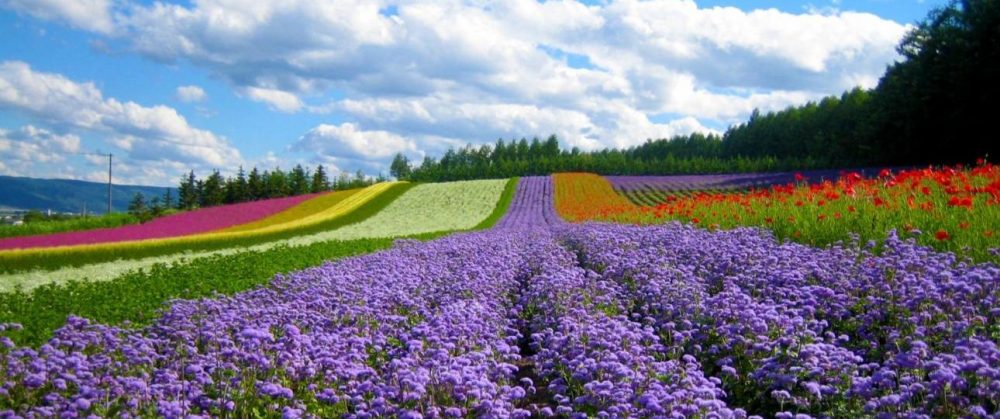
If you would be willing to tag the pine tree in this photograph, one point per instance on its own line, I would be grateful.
(255, 185)
(400, 167)
(212, 192)
(137, 206)
(168, 199)
(187, 192)
(298, 180)
(320, 182)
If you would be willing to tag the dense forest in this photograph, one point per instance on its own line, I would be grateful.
(928, 108)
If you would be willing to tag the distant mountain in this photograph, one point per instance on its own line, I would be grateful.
(63, 195)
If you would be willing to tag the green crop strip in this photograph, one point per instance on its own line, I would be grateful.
(506, 197)
(62, 226)
(10, 263)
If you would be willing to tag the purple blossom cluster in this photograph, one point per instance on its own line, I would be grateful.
(533, 205)
(542, 318)
(595, 359)
(790, 329)
(419, 330)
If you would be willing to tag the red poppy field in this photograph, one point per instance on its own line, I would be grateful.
(949, 208)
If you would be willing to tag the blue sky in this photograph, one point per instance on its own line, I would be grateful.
(215, 84)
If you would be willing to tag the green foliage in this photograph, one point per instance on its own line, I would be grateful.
(138, 296)
(506, 197)
(929, 107)
(59, 225)
(695, 153)
(85, 256)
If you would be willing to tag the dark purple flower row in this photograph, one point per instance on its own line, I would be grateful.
(598, 362)
(532, 206)
(790, 328)
(725, 181)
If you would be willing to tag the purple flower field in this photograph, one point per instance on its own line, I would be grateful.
(541, 318)
(182, 224)
(735, 181)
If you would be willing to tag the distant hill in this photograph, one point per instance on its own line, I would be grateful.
(63, 195)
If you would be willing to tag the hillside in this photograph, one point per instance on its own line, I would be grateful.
(65, 195)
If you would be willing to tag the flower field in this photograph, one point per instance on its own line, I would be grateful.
(429, 208)
(23, 260)
(949, 209)
(537, 317)
(653, 190)
(182, 224)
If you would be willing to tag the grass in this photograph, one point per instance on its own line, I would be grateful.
(115, 219)
(506, 197)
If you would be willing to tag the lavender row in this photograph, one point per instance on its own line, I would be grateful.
(532, 205)
(725, 181)
(598, 362)
(420, 330)
(789, 328)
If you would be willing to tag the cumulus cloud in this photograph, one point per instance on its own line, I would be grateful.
(33, 151)
(434, 73)
(191, 94)
(91, 15)
(276, 99)
(147, 133)
(347, 140)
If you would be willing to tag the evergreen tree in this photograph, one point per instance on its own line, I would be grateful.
(212, 192)
(137, 206)
(276, 183)
(400, 167)
(320, 182)
(255, 185)
(298, 180)
(237, 189)
(168, 199)
(187, 192)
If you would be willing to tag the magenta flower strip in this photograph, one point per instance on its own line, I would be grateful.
(182, 224)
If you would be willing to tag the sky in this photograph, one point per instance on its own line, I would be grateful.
(170, 87)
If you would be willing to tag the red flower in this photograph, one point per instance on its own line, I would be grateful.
(799, 177)
(885, 173)
(942, 235)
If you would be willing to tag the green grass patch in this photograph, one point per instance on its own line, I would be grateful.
(502, 205)
(115, 219)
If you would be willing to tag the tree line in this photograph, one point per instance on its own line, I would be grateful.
(215, 189)
(928, 108)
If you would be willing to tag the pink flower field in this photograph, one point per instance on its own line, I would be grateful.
(182, 224)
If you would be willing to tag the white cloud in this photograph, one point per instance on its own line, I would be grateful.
(276, 99)
(346, 140)
(148, 133)
(449, 72)
(91, 15)
(32, 151)
(191, 94)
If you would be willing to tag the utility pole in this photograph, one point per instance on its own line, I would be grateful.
(109, 182)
